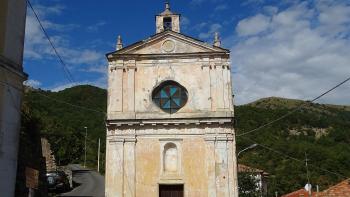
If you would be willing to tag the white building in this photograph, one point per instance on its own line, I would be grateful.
(170, 117)
(12, 24)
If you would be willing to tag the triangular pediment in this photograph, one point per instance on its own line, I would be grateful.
(169, 42)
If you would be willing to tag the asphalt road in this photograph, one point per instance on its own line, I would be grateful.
(91, 183)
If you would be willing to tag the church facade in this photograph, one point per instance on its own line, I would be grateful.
(170, 117)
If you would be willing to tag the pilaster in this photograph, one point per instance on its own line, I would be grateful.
(130, 72)
(115, 87)
(129, 167)
(115, 167)
(221, 170)
(210, 154)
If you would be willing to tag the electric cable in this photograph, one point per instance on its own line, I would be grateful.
(57, 100)
(294, 110)
(64, 66)
(294, 158)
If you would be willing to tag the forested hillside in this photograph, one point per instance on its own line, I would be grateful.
(321, 131)
(62, 121)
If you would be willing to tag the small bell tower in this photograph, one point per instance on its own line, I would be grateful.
(167, 20)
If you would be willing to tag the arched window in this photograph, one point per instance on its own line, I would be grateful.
(170, 96)
(170, 158)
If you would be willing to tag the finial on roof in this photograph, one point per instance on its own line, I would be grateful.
(217, 41)
(167, 5)
(119, 43)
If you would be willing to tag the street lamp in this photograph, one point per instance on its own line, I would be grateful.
(249, 147)
(85, 147)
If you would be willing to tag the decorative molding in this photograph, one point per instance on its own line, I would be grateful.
(124, 68)
(116, 140)
(12, 67)
(168, 46)
(170, 139)
(130, 140)
(168, 55)
(170, 122)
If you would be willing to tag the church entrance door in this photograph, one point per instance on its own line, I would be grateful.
(171, 190)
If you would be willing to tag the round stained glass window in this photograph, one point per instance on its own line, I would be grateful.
(170, 96)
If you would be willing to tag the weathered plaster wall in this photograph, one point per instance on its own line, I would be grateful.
(10, 104)
(3, 19)
(200, 134)
(12, 25)
(14, 31)
(207, 81)
(205, 155)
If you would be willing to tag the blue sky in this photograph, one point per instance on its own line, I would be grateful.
(287, 48)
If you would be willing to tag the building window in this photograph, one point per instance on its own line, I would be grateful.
(167, 23)
(170, 96)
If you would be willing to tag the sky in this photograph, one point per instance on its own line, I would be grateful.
(284, 48)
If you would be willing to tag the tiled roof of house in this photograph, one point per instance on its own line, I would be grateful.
(342, 189)
(299, 193)
(244, 168)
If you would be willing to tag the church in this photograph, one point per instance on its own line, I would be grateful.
(170, 116)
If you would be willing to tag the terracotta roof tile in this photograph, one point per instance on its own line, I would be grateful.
(342, 189)
(299, 193)
(244, 168)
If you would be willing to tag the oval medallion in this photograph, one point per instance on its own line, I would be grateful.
(168, 46)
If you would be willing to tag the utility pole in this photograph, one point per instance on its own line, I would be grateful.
(308, 177)
(85, 147)
(98, 155)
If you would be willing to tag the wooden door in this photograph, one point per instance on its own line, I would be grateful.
(171, 191)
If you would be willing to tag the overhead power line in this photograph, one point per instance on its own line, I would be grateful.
(70, 104)
(56, 100)
(294, 110)
(294, 158)
(64, 66)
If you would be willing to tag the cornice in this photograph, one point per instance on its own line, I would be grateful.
(169, 122)
(12, 67)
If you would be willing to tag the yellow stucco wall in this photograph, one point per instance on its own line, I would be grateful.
(195, 170)
(149, 167)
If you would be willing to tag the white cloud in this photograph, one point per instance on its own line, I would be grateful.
(253, 25)
(299, 55)
(95, 27)
(221, 7)
(81, 56)
(37, 46)
(44, 11)
(270, 9)
(101, 83)
(97, 69)
(210, 33)
(200, 26)
(185, 22)
(32, 83)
